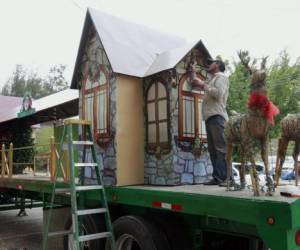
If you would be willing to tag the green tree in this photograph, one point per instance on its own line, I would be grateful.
(239, 89)
(34, 84)
(238, 95)
(283, 84)
(284, 88)
(16, 85)
(20, 82)
(23, 80)
(55, 80)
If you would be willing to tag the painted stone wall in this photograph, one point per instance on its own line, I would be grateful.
(180, 166)
(93, 59)
(107, 154)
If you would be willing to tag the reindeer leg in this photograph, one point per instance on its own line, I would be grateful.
(281, 151)
(242, 172)
(295, 156)
(229, 164)
(264, 156)
(254, 177)
(247, 150)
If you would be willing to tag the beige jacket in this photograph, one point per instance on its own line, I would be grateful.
(215, 97)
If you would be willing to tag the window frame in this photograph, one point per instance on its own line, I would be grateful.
(197, 113)
(165, 147)
(96, 110)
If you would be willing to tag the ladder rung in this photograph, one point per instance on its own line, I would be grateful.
(88, 187)
(83, 142)
(59, 233)
(94, 236)
(63, 190)
(92, 211)
(85, 164)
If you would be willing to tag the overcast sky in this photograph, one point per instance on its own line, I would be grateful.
(41, 33)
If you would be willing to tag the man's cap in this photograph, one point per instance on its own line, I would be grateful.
(220, 63)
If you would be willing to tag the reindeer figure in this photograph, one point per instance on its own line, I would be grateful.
(290, 131)
(244, 129)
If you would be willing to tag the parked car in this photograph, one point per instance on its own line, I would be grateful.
(259, 168)
(288, 166)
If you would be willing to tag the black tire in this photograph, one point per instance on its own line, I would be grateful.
(174, 229)
(139, 233)
(257, 244)
(220, 241)
(90, 224)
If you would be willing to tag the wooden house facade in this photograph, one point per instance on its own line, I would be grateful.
(134, 87)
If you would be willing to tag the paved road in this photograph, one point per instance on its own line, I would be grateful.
(21, 233)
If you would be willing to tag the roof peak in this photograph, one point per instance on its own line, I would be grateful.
(133, 49)
(131, 22)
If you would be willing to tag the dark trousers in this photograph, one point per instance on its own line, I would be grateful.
(217, 146)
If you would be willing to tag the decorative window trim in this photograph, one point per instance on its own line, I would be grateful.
(158, 147)
(102, 138)
(197, 97)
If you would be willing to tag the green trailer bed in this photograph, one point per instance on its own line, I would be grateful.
(275, 220)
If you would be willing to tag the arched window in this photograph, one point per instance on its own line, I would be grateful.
(191, 124)
(95, 103)
(157, 118)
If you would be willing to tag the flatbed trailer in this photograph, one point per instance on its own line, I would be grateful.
(204, 217)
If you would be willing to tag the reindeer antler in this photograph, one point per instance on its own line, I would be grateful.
(263, 62)
(245, 60)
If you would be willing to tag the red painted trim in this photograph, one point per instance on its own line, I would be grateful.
(196, 97)
(176, 207)
(156, 204)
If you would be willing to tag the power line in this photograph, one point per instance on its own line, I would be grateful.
(77, 5)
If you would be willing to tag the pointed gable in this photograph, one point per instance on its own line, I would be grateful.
(133, 49)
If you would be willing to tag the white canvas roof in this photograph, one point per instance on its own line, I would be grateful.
(45, 103)
(169, 58)
(134, 49)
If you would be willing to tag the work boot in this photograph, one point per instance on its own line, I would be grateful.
(223, 184)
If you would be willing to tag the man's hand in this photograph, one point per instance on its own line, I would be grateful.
(198, 84)
(194, 80)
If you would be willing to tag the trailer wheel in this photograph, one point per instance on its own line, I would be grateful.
(137, 233)
(221, 241)
(174, 229)
(90, 224)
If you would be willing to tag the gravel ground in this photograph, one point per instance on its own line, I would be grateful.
(21, 233)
